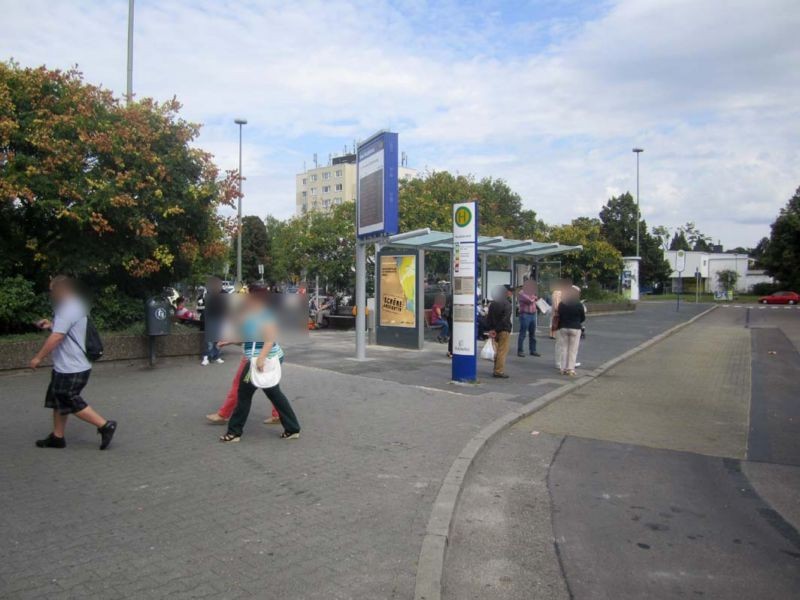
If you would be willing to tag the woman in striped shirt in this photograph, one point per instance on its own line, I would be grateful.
(258, 334)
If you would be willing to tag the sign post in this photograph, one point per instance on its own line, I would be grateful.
(680, 266)
(465, 273)
(376, 213)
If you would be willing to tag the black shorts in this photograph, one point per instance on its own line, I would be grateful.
(64, 392)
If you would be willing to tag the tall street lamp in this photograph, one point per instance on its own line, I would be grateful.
(129, 86)
(638, 151)
(239, 122)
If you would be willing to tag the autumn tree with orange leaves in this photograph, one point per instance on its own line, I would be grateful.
(112, 193)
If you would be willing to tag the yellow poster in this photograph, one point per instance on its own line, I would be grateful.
(398, 291)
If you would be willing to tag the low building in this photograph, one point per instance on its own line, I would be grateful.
(707, 265)
(322, 188)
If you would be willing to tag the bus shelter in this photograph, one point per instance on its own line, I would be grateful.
(400, 275)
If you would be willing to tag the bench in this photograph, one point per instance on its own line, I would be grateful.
(340, 321)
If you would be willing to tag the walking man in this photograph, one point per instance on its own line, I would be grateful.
(527, 318)
(71, 367)
(499, 325)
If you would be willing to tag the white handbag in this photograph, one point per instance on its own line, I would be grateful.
(269, 377)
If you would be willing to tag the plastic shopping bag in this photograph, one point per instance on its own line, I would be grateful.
(487, 352)
(543, 306)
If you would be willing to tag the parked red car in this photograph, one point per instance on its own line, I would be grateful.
(781, 298)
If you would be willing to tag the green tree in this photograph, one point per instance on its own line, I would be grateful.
(599, 261)
(255, 248)
(619, 222)
(696, 239)
(782, 254)
(113, 193)
(679, 242)
(661, 233)
(727, 279)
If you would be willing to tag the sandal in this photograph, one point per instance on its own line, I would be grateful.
(229, 437)
(290, 436)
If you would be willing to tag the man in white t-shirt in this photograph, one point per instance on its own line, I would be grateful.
(71, 367)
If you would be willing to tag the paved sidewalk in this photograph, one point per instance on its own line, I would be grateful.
(170, 512)
(633, 514)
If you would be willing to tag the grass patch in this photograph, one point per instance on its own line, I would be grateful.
(704, 298)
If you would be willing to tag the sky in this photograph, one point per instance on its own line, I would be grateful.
(550, 95)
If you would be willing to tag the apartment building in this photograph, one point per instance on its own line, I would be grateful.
(322, 188)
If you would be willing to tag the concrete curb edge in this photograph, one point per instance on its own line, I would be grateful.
(430, 564)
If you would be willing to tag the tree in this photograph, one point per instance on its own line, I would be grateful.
(679, 242)
(619, 219)
(697, 241)
(727, 279)
(661, 233)
(255, 247)
(598, 261)
(782, 254)
(113, 193)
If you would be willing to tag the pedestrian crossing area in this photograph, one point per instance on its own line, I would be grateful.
(762, 306)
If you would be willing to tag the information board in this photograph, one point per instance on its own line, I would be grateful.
(465, 272)
(376, 194)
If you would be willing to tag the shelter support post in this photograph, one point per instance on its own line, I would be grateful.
(361, 300)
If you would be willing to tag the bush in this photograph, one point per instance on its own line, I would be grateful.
(765, 288)
(112, 310)
(20, 305)
(594, 292)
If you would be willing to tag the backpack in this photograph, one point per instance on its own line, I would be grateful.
(92, 345)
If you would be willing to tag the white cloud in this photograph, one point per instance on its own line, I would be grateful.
(711, 91)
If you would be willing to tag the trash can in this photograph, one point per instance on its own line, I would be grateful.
(157, 316)
(157, 322)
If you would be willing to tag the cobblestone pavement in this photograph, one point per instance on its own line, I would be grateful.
(170, 512)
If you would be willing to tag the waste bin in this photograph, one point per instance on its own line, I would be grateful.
(157, 322)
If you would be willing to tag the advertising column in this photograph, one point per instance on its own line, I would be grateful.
(465, 272)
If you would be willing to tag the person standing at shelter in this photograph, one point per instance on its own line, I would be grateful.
(499, 325)
(71, 366)
(527, 318)
(213, 318)
(571, 315)
(555, 298)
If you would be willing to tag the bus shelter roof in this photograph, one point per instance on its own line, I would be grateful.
(441, 241)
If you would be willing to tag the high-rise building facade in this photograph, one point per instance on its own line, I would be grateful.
(322, 188)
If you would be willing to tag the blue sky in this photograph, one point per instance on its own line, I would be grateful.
(550, 96)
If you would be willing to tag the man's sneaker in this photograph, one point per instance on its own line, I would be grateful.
(521, 354)
(51, 441)
(500, 375)
(230, 438)
(272, 421)
(216, 419)
(205, 361)
(535, 354)
(290, 436)
(106, 433)
(219, 361)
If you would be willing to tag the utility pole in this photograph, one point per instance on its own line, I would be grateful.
(638, 151)
(239, 122)
(129, 89)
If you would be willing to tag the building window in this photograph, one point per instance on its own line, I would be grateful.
(305, 194)
(313, 191)
(326, 175)
(313, 178)
(338, 200)
(338, 172)
(327, 204)
(338, 187)
(304, 180)
(326, 189)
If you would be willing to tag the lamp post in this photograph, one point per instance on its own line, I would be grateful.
(637, 151)
(129, 87)
(239, 122)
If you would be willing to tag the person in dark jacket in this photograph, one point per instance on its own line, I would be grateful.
(498, 321)
(571, 315)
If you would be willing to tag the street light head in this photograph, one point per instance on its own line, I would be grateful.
(637, 150)
(240, 121)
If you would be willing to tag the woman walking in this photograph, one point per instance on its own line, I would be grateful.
(571, 315)
(258, 334)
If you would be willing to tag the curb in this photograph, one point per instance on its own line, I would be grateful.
(430, 565)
